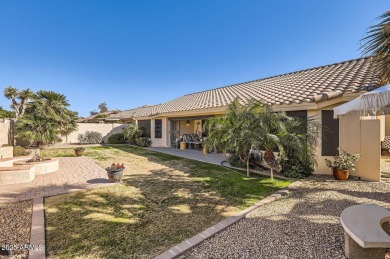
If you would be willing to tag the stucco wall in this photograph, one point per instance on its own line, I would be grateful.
(362, 137)
(6, 152)
(160, 142)
(5, 132)
(184, 129)
(107, 129)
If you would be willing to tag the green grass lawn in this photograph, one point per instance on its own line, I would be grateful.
(163, 200)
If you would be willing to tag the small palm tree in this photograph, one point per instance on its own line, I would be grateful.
(377, 43)
(132, 133)
(37, 130)
(46, 116)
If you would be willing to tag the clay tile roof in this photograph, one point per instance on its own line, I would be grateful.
(309, 85)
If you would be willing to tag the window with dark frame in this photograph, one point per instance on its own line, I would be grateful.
(144, 126)
(330, 134)
(158, 128)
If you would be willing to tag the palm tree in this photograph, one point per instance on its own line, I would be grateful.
(132, 133)
(256, 126)
(377, 43)
(19, 99)
(235, 131)
(46, 116)
(37, 130)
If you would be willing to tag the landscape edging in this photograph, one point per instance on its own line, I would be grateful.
(188, 244)
(37, 237)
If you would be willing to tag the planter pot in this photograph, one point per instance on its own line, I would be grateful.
(79, 152)
(115, 175)
(340, 174)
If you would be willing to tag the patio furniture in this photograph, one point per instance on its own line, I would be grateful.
(188, 140)
(197, 143)
(364, 235)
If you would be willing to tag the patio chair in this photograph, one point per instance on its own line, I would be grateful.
(197, 143)
(187, 139)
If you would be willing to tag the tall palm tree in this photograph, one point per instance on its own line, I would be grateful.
(377, 43)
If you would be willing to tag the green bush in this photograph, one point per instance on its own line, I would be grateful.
(90, 137)
(21, 151)
(144, 142)
(295, 169)
(117, 138)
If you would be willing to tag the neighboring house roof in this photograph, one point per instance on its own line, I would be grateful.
(310, 85)
(99, 117)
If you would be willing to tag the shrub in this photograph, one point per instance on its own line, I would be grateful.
(295, 169)
(132, 133)
(117, 138)
(144, 142)
(90, 137)
(21, 151)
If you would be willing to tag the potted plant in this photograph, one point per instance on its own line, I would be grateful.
(79, 151)
(342, 164)
(115, 172)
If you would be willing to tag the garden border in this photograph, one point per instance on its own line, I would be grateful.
(37, 237)
(190, 243)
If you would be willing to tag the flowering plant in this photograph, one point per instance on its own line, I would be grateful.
(116, 167)
(345, 161)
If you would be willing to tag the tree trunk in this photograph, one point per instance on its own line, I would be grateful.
(272, 173)
(247, 167)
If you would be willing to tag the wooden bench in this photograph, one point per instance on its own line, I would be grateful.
(364, 235)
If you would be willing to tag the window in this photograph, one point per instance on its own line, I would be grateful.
(144, 127)
(158, 128)
(330, 134)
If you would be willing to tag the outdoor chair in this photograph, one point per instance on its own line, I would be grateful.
(197, 143)
(385, 145)
(187, 139)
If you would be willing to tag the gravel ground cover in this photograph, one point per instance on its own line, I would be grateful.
(303, 225)
(15, 226)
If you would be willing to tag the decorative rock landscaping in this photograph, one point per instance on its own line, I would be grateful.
(304, 225)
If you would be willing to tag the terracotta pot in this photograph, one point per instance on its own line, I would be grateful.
(340, 174)
(79, 152)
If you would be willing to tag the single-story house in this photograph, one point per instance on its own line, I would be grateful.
(310, 92)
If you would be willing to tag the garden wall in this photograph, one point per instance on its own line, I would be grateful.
(106, 129)
(6, 132)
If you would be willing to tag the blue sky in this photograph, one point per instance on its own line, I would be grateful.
(132, 53)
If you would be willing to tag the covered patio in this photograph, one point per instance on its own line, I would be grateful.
(180, 127)
(212, 158)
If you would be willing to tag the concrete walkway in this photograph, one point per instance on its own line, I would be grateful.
(212, 158)
(75, 173)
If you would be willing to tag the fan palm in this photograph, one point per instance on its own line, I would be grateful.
(46, 116)
(132, 133)
(37, 130)
(377, 43)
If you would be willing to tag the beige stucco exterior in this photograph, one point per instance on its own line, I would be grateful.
(355, 135)
(363, 136)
